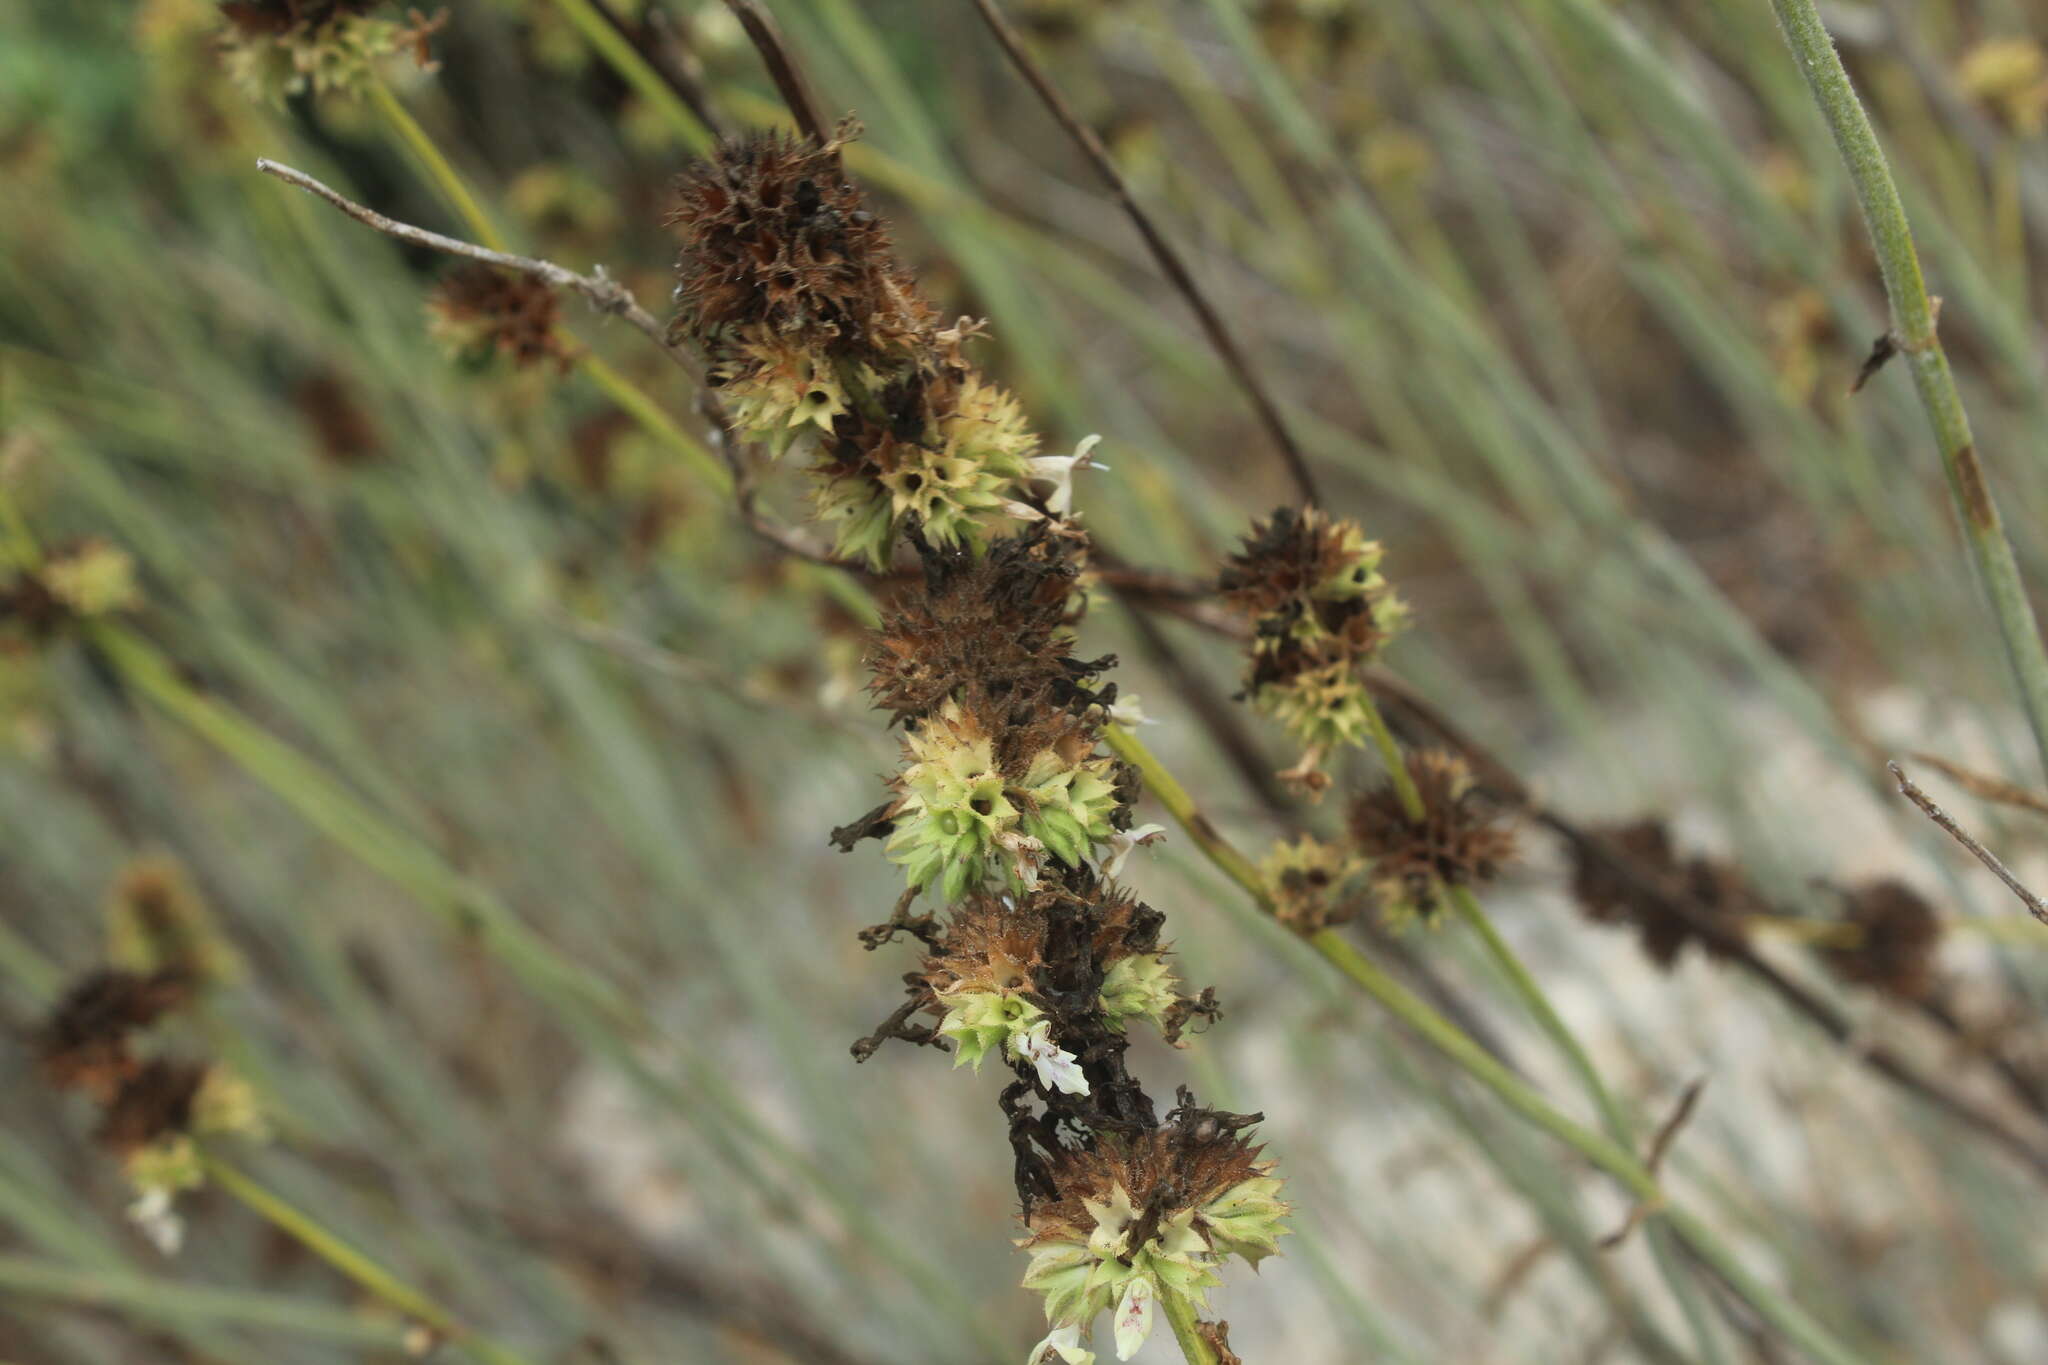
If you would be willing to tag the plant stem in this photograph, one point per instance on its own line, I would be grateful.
(1187, 1327)
(374, 1278)
(1913, 332)
(437, 166)
(1612, 1119)
(1390, 756)
(635, 69)
(1446, 1038)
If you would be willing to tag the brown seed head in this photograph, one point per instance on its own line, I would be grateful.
(775, 234)
(481, 310)
(1285, 558)
(268, 18)
(1897, 932)
(1052, 939)
(1651, 879)
(156, 1102)
(1190, 1159)
(1459, 840)
(988, 629)
(84, 1044)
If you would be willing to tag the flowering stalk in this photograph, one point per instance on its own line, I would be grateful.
(1913, 334)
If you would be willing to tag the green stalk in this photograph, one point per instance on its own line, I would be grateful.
(1180, 1313)
(437, 166)
(1913, 332)
(1390, 756)
(630, 65)
(1447, 1039)
(373, 1278)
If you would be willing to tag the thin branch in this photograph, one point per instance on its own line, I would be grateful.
(1659, 1146)
(1985, 786)
(782, 68)
(1163, 252)
(606, 294)
(1912, 793)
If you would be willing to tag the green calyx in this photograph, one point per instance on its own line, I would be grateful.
(979, 1022)
(1323, 708)
(960, 822)
(1140, 986)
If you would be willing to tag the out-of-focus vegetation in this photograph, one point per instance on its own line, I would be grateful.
(454, 688)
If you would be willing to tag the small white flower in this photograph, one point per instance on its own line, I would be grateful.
(1058, 1069)
(1066, 1343)
(1121, 842)
(158, 1221)
(1058, 470)
(1134, 1317)
(1127, 712)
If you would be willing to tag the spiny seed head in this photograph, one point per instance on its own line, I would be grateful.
(1139, 1216)
(154, 1103)
(1650, 879)
(991, 630)
(1313, 884)
(1896, 933)
(775, 234)
(1458, 841)
(478, 311)
(85, 1043)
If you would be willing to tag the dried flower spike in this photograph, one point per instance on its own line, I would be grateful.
(1320, 611)
(279, 48)
(1653, 878)
(1313, 884)
(156, 922)
(1459, 841)
(1895, 934)
(478, 312)
(86, 1043)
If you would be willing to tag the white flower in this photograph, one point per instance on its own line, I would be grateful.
(1134, 1317)
(1127, 713)
(1058, 1069)
(1121, 842)
(1058, 470)
(159, 1222)
(1066, 1342)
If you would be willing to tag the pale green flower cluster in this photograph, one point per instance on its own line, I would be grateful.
(1082, 1277)
(981, 1021)
(960, 821)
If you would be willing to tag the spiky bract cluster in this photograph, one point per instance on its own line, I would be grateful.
(1460, 839)
(1889, 943)
(1631, 874)
(1139, 1216)
(279, 48)
(478, 312)
(1313, 884)
(1320, 610)
(76, 582)
(151, 1108)
(814, 334)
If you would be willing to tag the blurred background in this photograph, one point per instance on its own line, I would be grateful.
(1564, 298)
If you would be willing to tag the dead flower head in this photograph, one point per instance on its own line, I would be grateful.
(1635, 876)
(478, 311)
(1893, 934)
(1459, 841)
(86, 1044)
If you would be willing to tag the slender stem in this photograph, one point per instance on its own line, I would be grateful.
(1187, 1327)
(437, 166)
(1913, 332)
(1390, 756)
(374, 1278)
(638, 72)
(1446, 1038)
(1612, 1118)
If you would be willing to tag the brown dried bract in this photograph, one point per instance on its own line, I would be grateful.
(1459, 841)
(1188, 1160)
(1001, 942)
(1896, 933)
(85, 1043)
(1283, 559)
(154, 1103)
(483, 309)
(266, 18)
(1650, 880)
(775, 233)
(988, 629)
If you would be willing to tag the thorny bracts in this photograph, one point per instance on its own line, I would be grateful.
(1320, 611)
(815, 335)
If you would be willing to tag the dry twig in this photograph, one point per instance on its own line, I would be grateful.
(1960, 835)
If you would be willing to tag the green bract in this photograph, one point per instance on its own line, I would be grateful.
(1140, 986)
